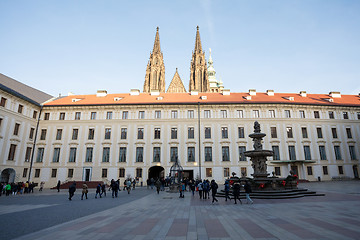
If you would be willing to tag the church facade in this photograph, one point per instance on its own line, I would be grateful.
(107, 136)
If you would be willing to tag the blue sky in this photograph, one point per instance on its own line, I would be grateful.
(82, 46)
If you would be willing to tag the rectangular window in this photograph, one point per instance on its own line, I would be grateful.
(345, 115)
(174, 114)
(289, 132)
(16, 129)
(106, 154)
(190, 113)
(207, 132)
(139, 154)
(334, 133)
(256, 114)
(125, 115)
(123, 133)
(108, 115)
(93, 116)
(272, 113)
(322, 152)
(307, 153)
(156, 154)
(62, 116)
(242, 157)
(208, 154)
(276, 151)
(304, 132)
(75, 134)
(104, 173)
(156, 133)
(302, 114)
(140, 133)
(107, 133)
(43, 134)
(31, 135)
(337, 153)
(77, 115)
(352, 152)
(224, 132)
(58, 134)
(223, 113)
(28, 154)
(12, 150)
(47, 116)
(243, 171)
(292, 154)
(358, 115)
(309, 170)
(173, 133)
(173, 154)
(40, 155)
(70, 173)
(53, 173)
(72, 156)
(325, 170)
(287, 114)
(226, 172)
(139, 172)
(89, 154)
(341, 170)
(25, 171)
(225, 154)
(207, 114)
(141, 114)
(316, 114)
(191, 154)
(157, 114)
(122, 155)
(3, 102)
(190, 133)
(241, 132)
(37, 173)
(20, 108)
(348, 133)
(319, 132)
(273, 132)
(240, 113)
(277, 171)
(121, 172)
(91, 133)
(208, 172)
(56, 155)
(331, 115)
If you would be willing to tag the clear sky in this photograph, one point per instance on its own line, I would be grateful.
(85, 45)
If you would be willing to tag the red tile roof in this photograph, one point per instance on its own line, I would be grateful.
(211, 98)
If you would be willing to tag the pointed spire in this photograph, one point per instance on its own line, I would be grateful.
(157, 42)
(197, 41)
(176, 85)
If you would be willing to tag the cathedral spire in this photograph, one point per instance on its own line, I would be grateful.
(157, 42)
(198, 48)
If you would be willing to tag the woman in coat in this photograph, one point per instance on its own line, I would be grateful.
(84, 191)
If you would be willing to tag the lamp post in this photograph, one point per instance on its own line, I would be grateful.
(199, 138)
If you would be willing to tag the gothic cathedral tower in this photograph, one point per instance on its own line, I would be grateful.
(198, 70)
(155, 70)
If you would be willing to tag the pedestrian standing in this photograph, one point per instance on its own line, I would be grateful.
(227, 190)
(236, 192)
(128, 186)
(200, 189)
(247, 188)
(84, 191)
(58, 186)
(114, 188)
(98, 190)
(182, 189)
(72, 190)
(192, 187)
(158, 186)
(8, 189)
(214, 188)
(103, 189)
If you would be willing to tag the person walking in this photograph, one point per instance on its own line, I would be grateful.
(182, 189)
(58, 186)
(158, 186)
(227, 190)
(84, 191)
(214, 186)
(8, 189)
(114, 188)
(200, 189)
(72, 190)
(98, 190)
(247, 188)
(103, 189)
(192, 187)
(128, 186)
(236, 191)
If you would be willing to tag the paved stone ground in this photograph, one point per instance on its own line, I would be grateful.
(165, 216)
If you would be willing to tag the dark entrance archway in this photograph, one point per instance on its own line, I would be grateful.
(156, 172)
(8, 175)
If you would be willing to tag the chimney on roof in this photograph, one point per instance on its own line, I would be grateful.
(154, 92)
(226, 92)
(252, 92)
(247, 97)
(270, 92)
(134, 92)
(194, 93)
(70, 94)
(335, 94)
(303, 93)
(101, 93)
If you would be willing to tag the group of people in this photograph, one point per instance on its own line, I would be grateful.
(17, 188)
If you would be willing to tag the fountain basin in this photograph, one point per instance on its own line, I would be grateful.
(259, 153)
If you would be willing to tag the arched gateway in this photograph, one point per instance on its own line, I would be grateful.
(8, 175)
(156, 172)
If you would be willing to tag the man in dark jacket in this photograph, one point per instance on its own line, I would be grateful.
(214, 188)
(236, 192)
(72, 190)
